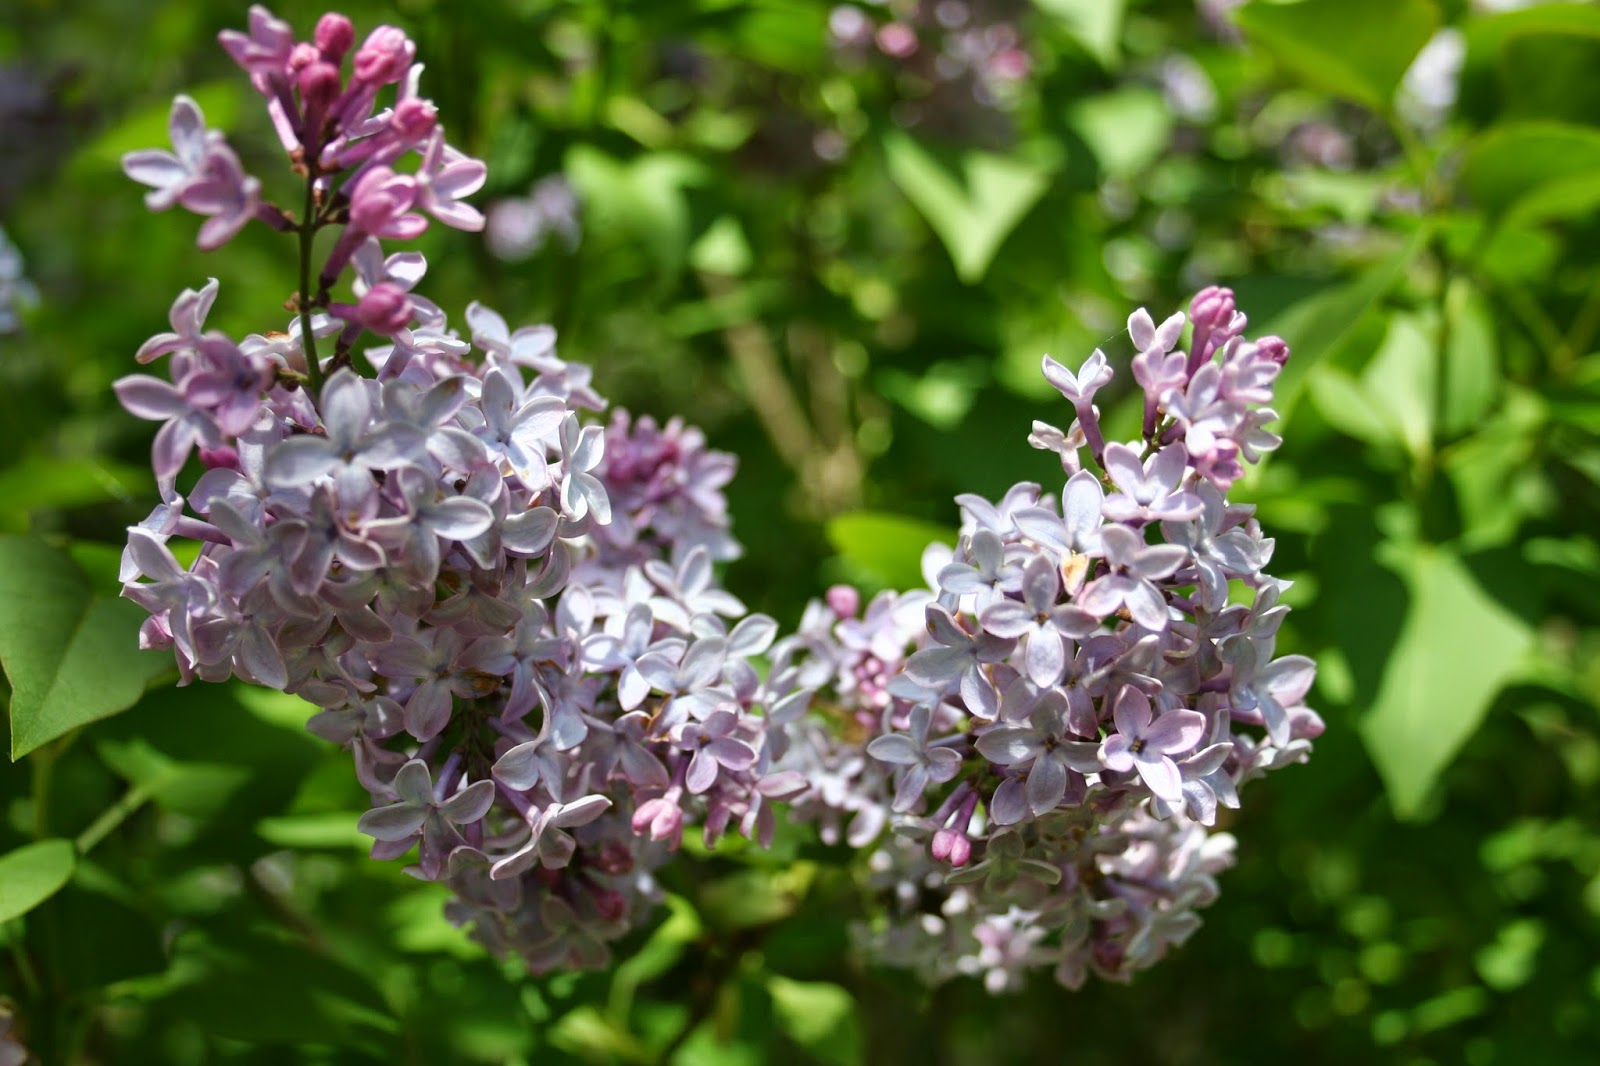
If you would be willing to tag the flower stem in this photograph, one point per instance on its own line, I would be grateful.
(308, 237)
(110, 818)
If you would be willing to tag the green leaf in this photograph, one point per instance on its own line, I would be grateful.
(199, 790)
(32, 874)
(972, 212)
(589, 1033)
(1357, 49)
(1535, 170)
(1511, 960)
(1345, 405)
(1495, 470)
(1456, 647)
(750, 897)
(1401, 379)
(1472, 380)
(639, 201)
(886, 548)
(72, 656)
(1317, 325)
(262, 990)
(1126, 129)
(36, 482)
(1095, 24)
(722, 249)
(818, 1016)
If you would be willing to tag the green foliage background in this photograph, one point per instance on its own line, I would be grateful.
(181, 881)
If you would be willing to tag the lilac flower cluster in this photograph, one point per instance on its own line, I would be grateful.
(1056, 720)
(507, 616)
(506, 610)
(519, 226)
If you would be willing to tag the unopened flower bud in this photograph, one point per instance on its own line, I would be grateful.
(1274, 348)
(385, 309)
(334, 36)
(319, 87)
(301, 56)
(952, 846)
(414, 119)
(384, 56)
(844, 600)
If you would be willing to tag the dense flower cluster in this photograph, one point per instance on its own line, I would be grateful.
(507, 616)
(1056, 719)
(506, 609)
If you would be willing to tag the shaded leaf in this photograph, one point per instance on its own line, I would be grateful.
(72, 656)
(1540, 169)
(1317, 325)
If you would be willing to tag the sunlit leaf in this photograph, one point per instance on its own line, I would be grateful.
(1095, 24)
(1456, 647)
(1126, 129)
(1358, 49)
(972, 210)
(819, 1016)
(884, 546)
(32, 874)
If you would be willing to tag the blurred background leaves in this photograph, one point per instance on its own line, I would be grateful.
(839, 237)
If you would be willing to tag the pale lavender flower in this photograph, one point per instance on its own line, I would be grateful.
(920, 764)
(1147, 743)
(170, 173)
(1134, 568)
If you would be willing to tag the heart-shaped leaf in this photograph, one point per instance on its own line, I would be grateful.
(1357, 49)
(1456, 648)
(972, 212)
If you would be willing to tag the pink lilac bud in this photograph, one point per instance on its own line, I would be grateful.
(384, 56)
(223, 457)
(385, 309)
(1216, 321)
(319, 85)
(844, 600)
(1274, 348)
(334, 36)
(302, 56)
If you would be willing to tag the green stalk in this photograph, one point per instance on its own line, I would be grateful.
(308, 237)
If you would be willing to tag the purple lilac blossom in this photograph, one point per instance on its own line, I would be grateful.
(511, 618)
(1087, 686)
(537, 707)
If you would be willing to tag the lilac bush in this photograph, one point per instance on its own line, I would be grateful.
(506, 608)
